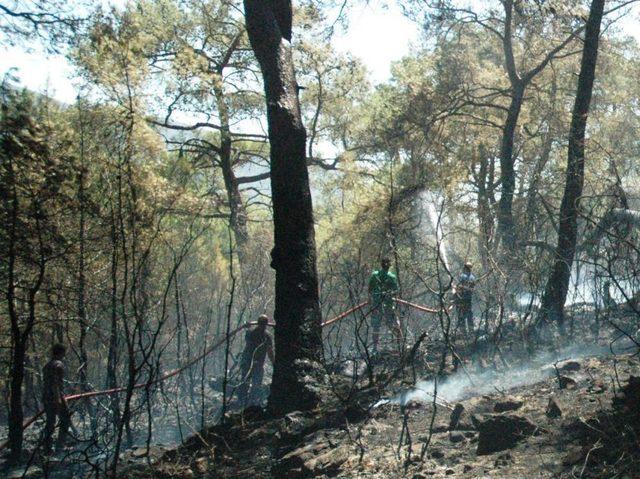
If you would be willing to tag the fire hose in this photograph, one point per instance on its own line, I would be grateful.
(206, 352)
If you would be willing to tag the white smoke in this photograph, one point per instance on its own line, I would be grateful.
(436, 218)
(467, 383)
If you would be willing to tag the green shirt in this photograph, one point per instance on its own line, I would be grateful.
(383, 287)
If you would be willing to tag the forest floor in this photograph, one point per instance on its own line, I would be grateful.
(579, 417)
(561, 413)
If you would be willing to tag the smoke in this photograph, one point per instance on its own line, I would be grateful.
(469, 383)
(429, 201)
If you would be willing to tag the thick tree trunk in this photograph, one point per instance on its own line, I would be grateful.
(506, 224)
(555, 294)
(16, 413)
(298, 336)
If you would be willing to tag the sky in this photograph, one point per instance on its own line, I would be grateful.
(53, 73)
(377, 33)
(378, 36)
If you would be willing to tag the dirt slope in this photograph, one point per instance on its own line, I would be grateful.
(538, 430)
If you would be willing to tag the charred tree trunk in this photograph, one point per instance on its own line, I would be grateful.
(519, 82)
(20, 329)
(16, 373)
(16, 413)
(82, 316)
(536, 176)
(506, 225)
(112, 358)
(555, 294)
(483, 182)
(298, 336)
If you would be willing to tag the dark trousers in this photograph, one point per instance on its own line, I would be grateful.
(52, 413)
(465, 316)
(251, 383)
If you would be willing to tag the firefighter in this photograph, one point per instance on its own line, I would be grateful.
(464, 299)
(258, 345)
(55, 404)
(383, 286)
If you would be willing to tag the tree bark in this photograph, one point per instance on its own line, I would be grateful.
(298, 336)
(483, 209)
(519, 83)
(536, 176)
(555, 294)
(506, 224)
(16, 414)
(82, 316)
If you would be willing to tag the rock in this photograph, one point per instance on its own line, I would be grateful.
(627, 402)
(508, 404)
(628, 399)
(436, 454)
(295, 425)
(413, 405)
(503, 460)
(186, 474)
(598, 387)
(24, 472)
(461, 420)
(568, 365)
(201, 465)
(153, 451)
(262, 433)
(553, 408)
(140, 452)
(456, 414)
(456, 437)
(573, 456)
(311, 460)
(565, 382)
(500, 432)
(253, 413)
(327, 463)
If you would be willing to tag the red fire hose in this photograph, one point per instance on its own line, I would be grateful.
(208, 351)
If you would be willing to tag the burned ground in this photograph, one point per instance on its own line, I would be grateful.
(572, 418)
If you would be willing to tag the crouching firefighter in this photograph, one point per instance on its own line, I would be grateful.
(258, 345)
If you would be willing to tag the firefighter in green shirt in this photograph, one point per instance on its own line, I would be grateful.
(383, 286)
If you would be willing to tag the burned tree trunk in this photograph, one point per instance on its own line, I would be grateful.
(82, 236)
(506, 224)
(519, 82)
(555, 294)
(298, 337)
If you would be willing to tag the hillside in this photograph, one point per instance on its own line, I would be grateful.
(577, 418)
